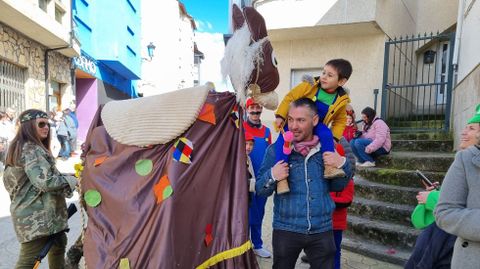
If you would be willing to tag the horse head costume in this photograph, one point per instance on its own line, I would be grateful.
(164, 178)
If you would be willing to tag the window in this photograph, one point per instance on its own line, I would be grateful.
(297, 75)
(59, 13)
(55, 95)
(12, 86)
(43, 4)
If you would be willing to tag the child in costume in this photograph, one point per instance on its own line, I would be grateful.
(249, 141)
(331, 100)
(342, 200)
(350, 128)
(262, 137)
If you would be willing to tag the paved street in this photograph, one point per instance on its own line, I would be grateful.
(9, 247)
(350, 260)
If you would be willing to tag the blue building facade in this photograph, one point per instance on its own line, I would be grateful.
(110, 61)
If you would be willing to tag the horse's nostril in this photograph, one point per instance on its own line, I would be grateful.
(274, 59)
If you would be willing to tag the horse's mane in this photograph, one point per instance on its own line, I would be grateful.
(240, 59)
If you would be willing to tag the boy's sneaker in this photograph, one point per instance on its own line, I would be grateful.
(367, 164)
(331, 172)
(262, 252)
(358, 163)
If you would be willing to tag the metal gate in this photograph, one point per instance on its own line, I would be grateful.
(417, 82)
(12, 86)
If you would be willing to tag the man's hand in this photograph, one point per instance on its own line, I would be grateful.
(436, 184)
(280, 170)
(278, 123)
(333, 159)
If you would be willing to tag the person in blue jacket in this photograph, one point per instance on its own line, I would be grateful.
(302, 217)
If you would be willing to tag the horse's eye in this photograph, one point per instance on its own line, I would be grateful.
(274, 59)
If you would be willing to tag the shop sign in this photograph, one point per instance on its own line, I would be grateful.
(83, 62)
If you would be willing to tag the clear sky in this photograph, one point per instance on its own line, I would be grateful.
(210, 15)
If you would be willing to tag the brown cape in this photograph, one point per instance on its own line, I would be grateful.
(210, 192)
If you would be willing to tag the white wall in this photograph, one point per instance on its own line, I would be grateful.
(469, 55)
(162, 24)
(308, 13)
(466, 95)
(365, 52)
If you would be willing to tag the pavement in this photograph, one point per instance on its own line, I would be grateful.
(9, 246)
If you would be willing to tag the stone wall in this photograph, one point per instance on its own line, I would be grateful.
(29, 55)
(466, 97)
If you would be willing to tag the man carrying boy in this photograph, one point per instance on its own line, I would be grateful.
(302, 218)
(330, 100)
(263, 138)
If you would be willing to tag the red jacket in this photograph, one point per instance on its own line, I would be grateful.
(349, 132)
(342, 200)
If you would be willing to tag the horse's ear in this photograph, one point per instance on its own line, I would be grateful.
(256, 23)
(237, 18)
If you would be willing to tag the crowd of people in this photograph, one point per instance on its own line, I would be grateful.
(63, 132)
(306, 169)
(309, 171)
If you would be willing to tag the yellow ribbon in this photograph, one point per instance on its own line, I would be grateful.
(227, 254)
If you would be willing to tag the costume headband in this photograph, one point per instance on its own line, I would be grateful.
(33, 116)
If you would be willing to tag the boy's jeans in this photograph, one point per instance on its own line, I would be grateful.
(358, 148)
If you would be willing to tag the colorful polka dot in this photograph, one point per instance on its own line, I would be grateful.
(92, 198)
(143, 167)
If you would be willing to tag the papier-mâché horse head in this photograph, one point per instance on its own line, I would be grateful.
(249, 59)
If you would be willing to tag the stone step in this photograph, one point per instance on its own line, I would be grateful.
(386, 193)
(423, 161)
(421, 136)
(399, 177)
(384, 211)
(423, 145)
(382, 232)
(375, 250)
(437, 124)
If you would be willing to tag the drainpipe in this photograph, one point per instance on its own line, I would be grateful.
(73, 81)
(458, 33)
(47, 74)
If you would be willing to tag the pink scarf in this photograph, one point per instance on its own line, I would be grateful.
(304, 147)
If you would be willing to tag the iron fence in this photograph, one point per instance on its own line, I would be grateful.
(417, 82)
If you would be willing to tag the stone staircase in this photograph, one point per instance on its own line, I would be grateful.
(379, 218)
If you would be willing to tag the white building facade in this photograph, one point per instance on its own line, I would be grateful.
(466, 95)
(168, 26)
(306, 34)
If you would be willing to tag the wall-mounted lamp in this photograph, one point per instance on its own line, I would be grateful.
(429, 57)
(150, 49)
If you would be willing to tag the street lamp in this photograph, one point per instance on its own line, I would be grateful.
(150, 49)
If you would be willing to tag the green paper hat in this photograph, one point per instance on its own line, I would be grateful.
(476, 117)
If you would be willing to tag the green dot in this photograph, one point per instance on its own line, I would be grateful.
(92, 198)
(167, 192)
(143, 167)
